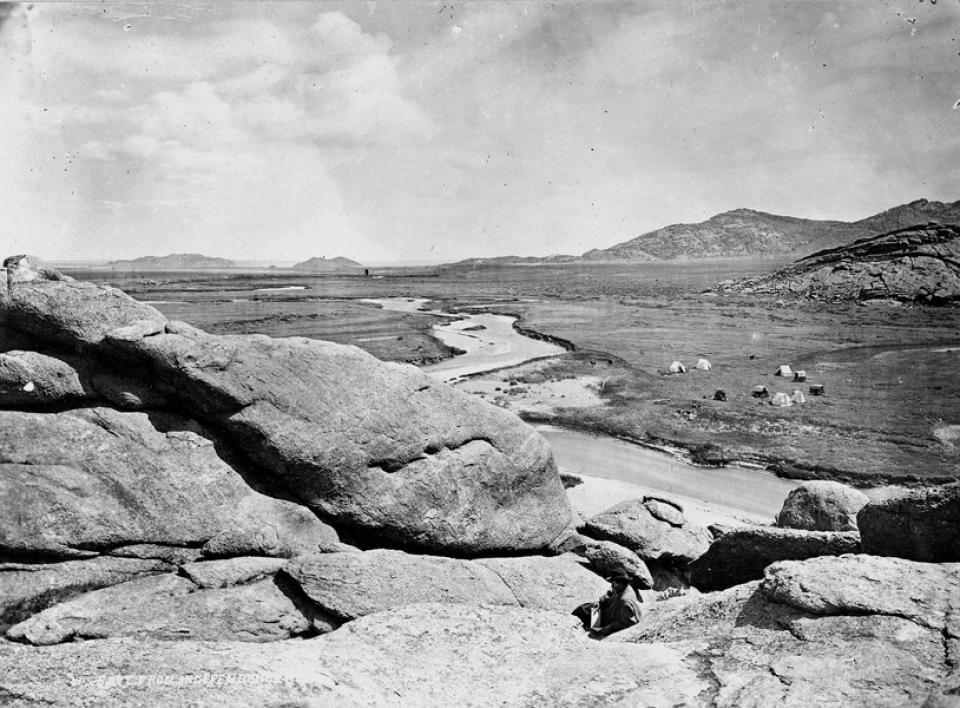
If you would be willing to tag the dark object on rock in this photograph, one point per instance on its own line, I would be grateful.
(740, 555)
(760, 392)
(570, 480)
(922, 525)
(709, 454)
(816, 389)
(720, 395)
(822, 506)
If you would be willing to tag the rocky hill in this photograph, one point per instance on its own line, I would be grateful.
(917, 264)
(174, 261)
(323, 264)
(744, 233)
(193, 519)
(748, 233)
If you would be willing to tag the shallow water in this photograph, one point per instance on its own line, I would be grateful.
(745, 489)
(490, 342)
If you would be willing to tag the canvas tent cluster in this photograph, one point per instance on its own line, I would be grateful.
(785, 399)
(677, 367)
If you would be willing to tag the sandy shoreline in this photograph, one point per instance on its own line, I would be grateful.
(597, 494)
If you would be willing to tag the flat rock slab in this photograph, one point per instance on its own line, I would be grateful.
(169, 607)
(27, 588)
(741, 554)
(927, 594)
(119, 479)
(557, 583)
(232, 571)
(851, 630)
(421, 655)
(922, 525)
(655, 529)
(351, 585)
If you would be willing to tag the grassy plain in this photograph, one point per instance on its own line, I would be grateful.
(891, 412)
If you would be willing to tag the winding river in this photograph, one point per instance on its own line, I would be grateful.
(491, 343)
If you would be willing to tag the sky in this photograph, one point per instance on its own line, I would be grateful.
(435, 131)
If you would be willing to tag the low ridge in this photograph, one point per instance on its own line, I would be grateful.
(326, 264)
(174, 261)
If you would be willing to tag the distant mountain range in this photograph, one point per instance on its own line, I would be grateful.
(175, 261)
(322, 264)
(747, 233)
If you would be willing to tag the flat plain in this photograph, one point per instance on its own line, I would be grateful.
(890, 413)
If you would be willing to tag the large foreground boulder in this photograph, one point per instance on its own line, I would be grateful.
(381, 449)
(420, 655)
(822, 506)
(741, 554)
(114, 479)
(851, 630)
(653, 528)
(922, 524)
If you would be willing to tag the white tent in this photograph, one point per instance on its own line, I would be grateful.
(797, 396)
(703, 364)
(784, 371)
(781, 399)
(677, 368)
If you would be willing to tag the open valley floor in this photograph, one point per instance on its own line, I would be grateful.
(890, 412)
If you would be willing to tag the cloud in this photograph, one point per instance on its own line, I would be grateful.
(202, 130)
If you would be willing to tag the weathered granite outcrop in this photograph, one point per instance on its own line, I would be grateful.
(113, 479)
(655, 529)
(420, 655)
(822, 506)
(380, 449)
(741, 554)
(921, 524)
(916, 264)
(852, 630)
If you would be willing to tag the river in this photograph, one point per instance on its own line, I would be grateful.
(750, 490)
(491, 343)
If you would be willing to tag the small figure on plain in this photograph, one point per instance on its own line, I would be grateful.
(618, 609)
